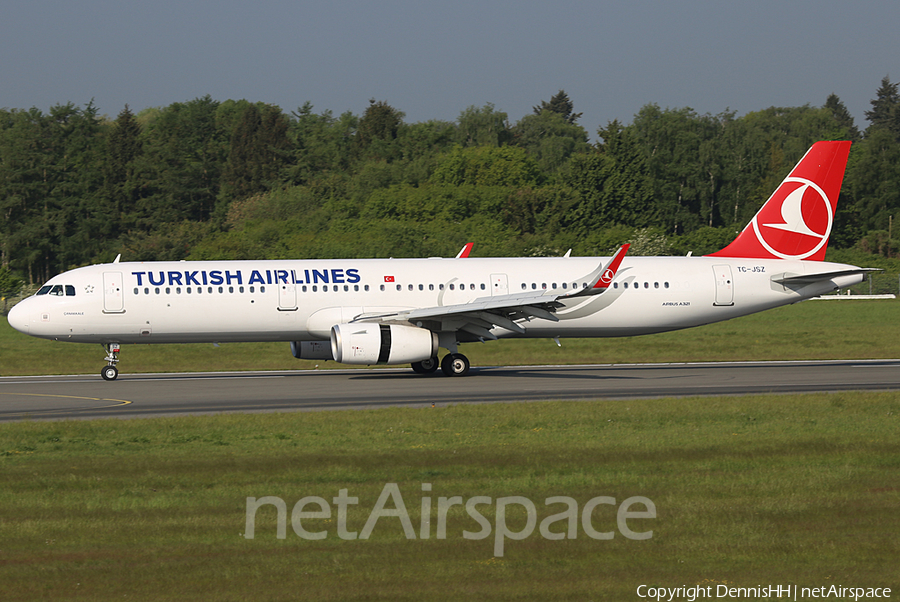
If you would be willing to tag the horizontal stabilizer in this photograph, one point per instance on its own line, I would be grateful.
(788, 278)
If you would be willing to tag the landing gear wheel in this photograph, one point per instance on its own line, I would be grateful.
(455, 364)
(428, 366)
(109, 373)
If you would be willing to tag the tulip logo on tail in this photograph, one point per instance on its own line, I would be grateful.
(798, 224)
(796, 221)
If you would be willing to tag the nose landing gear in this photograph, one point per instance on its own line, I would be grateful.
(110, 372)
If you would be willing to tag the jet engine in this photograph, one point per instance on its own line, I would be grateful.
(368, 343)
(311, 350)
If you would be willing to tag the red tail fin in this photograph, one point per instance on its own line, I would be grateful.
(796, 221)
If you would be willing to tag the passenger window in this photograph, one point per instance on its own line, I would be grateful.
(431, 287)
(533, 286)
(241, 289)
(177, 290)
(524, 286)
(156, 290)
(382, 287)
(451, 287)
(346, 288)
(262, 289)
(315, 289)
(366, 287)
(399, 288)
(221, 289)
(565, 284)
(146, 291)
(482, 287)
(656, 285)
(251, 289)
(544, 285)
(230, 289)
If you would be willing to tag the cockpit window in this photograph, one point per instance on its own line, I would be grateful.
(57, 289)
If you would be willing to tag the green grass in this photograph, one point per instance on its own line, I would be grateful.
(810, 330)
(748, 490)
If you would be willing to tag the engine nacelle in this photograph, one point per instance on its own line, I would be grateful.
(311, 350)
(367, 343)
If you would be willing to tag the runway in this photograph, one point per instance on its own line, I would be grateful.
(146, 395)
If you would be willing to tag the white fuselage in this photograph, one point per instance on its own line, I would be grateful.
(300, 300)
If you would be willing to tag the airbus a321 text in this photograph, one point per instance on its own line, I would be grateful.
(398, 311)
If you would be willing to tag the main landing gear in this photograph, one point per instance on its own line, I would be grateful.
(428, 366)
(110, 372)
(453, 364)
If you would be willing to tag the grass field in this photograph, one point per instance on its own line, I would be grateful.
(809, 330)
(748, 491)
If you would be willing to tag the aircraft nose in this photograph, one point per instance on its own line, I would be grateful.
(18, 318)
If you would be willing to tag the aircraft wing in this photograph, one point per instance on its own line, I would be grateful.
(480, 315)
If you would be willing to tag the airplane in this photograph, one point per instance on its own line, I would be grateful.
(402, 311)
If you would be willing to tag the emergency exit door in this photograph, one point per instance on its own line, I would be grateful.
(287, 297)
(113, 301)
(724, 285)
(499, 285)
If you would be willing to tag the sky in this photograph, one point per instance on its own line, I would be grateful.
(433, 59)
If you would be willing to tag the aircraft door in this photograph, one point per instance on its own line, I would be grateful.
(113, 295)
(499, 285)
(287, 297)
(724, 285)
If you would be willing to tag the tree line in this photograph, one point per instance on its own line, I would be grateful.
(206, 179)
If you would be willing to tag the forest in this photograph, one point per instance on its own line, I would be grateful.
(205, 179)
